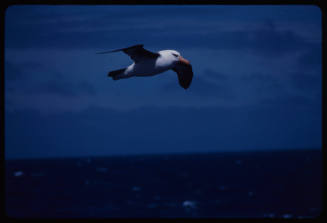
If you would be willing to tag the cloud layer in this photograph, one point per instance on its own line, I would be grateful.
(257, 79)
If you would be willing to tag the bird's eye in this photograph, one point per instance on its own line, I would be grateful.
(176, 55)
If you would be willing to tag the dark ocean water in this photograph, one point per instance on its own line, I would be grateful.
(282, 184)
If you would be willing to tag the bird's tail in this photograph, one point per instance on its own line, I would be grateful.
(115, 73)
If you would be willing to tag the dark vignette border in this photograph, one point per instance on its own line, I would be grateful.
(318, 3)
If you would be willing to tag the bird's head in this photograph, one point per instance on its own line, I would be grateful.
(177, 58)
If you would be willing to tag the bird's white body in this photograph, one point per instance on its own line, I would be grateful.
(152, 67)
(147, 63)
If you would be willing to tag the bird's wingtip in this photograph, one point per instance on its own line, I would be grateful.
(104, 52)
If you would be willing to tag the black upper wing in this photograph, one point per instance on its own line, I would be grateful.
(137, 53)
(184, 73)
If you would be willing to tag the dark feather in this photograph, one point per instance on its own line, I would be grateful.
(137, 53)
(185, 74)
(116, 72)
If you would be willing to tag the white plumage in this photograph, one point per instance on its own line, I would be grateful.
(147, 63)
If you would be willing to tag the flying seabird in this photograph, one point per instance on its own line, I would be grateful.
(147, 63)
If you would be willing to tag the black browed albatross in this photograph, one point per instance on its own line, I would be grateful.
(147, 63)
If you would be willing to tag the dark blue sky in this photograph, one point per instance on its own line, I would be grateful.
(257, 80)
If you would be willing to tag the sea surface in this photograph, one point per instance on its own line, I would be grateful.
(274, 184)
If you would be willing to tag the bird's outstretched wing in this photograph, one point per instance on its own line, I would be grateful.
(184, 73)
(137, 53)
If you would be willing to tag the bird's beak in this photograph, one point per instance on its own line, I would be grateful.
(183, 60)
